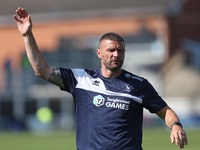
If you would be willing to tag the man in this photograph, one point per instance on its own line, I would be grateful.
(108, 102)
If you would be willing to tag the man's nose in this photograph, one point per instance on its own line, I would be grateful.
(116, 53)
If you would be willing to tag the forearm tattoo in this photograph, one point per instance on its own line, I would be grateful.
(55, 77)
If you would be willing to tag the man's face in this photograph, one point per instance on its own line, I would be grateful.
(111, 54)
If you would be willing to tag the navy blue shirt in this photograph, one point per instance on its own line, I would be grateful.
(109, 111)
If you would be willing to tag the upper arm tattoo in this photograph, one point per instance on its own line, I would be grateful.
(55, 77)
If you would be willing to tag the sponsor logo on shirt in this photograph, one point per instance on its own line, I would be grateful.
(111, 103)
(127, 75)
(117, 103)
(98, 100)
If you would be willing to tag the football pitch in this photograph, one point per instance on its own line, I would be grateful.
(153, 139)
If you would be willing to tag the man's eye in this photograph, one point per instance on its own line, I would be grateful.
(121, 51)
(111, 50)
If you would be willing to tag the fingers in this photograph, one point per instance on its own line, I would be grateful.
(183, 140)
(15, 17)
(177, 139)
(172, 139)
(21, 12)
(25, 12)
(22, 16)
(18, 13)
(29, 18)
(180, 139)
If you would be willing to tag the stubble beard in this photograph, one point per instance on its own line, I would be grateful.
(111, 67)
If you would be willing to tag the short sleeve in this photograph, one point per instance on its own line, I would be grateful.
(151, 100)
(68, 79)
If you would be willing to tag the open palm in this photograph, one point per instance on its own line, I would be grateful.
(23, 21)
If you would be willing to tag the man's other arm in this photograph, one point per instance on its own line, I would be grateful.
(178, 135)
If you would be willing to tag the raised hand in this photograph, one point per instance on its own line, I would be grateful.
(23, 20)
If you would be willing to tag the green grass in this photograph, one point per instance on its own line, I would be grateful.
(159, 139)
(28, 141)
(153, 139)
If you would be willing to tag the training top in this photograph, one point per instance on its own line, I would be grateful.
(109, 111)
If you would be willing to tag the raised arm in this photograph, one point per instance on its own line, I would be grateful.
(38, 62)
(178, 135)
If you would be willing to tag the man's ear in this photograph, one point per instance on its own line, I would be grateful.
(99, 53)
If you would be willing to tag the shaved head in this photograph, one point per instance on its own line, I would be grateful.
(113, 37)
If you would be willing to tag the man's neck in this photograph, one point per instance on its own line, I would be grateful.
(110, 74)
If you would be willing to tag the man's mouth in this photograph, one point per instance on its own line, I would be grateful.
(115, 61)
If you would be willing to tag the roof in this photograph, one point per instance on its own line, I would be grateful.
(67, 9)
